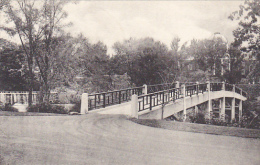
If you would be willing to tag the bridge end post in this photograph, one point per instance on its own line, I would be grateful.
(84, 104)
(134, 106)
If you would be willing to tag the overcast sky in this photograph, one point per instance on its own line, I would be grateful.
(110, 22)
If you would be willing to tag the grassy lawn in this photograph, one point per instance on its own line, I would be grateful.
(7, 113)
(200, 128)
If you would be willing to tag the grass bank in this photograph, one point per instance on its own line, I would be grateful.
(200, 128)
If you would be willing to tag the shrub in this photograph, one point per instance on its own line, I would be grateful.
(213, 120)
(76, 107)
(249, 121)
(47, 108)
(8, 107)
(198, 118)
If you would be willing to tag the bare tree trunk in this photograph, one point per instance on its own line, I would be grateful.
(30, 63)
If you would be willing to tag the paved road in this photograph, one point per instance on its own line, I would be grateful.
(111, 139)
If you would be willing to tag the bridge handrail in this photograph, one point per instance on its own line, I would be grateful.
(151, 100)
(159, 87)
(195, 89)
(148, 100)
(103, 99)
(158, 98)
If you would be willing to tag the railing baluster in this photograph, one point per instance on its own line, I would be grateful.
(95, 102)
(150, 102)
(104, 100)
(119, 97)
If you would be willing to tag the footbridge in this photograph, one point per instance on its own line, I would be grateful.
(163, 100)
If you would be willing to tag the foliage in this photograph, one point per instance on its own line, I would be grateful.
(36, 24)
(236, 57)
(194, 76)
(76, 107)
(46, 108)
(247, 35)
(197, 118)
(146, 61)
(251, 111)
(11, 67)
(206, 53)
(8, 107)
(221, 121)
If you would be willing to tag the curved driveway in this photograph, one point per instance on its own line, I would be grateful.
(112, 139)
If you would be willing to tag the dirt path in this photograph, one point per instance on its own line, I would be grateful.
(111, 139)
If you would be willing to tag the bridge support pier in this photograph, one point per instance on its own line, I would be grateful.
(84, 104)
(223, 108)
(240, 110)
(233, 110)
(209, 99)
(196, 109)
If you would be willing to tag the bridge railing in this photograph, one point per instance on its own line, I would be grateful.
(160, 87)
(216, 86)
(158, 98)
(148, 100)
(228, 87)
(195, 89)
(102, 100)
(152, 100)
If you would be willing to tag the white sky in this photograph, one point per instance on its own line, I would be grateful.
(112, 21)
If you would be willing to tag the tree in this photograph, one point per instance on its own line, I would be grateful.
(86, 64)
(36, 26)
(146, 60)
(234, 75)
(11, 66)
(247, 35)
(175, 44)
(205, 55)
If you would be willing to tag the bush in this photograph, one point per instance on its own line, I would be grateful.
(198, 118)
(221, 121)
(8, 107)
(76, 107)
(249, 121)
(47, 108)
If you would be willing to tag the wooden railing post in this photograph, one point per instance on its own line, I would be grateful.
(234, 88)
(119, 97)
(184, 102)
(104, 100)
(177, 85)
(197, 87)
(150, 101)
(145, 89)
(223, 85)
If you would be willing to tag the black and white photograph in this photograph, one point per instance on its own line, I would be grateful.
(129, 82)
